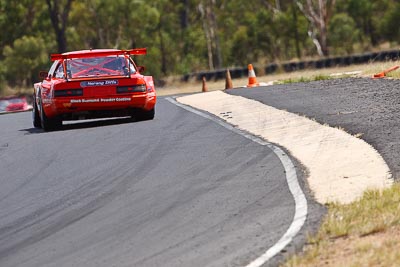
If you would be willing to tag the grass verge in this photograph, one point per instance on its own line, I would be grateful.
(302, 79)
(175, 86)
(363, 233)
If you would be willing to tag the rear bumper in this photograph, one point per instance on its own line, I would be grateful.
(95, 107)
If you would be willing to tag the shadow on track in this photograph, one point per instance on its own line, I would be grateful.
(83, 125)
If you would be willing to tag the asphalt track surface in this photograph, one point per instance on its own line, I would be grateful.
(177, 191)
(362, 106)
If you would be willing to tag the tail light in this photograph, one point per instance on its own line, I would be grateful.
(132, 88)
(68, 92)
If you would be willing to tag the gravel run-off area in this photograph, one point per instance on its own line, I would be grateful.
(367, 108)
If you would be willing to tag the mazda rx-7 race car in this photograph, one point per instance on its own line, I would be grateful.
(89, 84)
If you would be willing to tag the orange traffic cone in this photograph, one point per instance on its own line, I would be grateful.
(252, 77)
(379, 75)
(228, 80)
(204, 87)
(383, 73)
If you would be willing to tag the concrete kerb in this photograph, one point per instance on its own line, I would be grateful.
(341, 167)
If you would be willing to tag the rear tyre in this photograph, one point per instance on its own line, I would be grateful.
(146, 115)
(36, 116)
(49, 124)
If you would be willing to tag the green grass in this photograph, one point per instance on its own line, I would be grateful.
(301, 79)
(374, 212)
(365, 229)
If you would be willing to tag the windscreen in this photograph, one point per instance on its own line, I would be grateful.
(97, 67)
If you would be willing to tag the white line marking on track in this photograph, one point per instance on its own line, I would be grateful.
(300, 200)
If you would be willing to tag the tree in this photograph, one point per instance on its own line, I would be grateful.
(390, 24)
(318, 13)
(184, 36)
(17, 18)
(24, 59)
(343, 33)
(206, 9)
(59, 11)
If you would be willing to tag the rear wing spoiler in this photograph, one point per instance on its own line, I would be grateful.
(94, 53)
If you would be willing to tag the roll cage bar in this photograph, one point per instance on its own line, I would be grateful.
(94, 53)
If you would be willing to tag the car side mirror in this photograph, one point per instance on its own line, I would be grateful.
(43, 74)
(141, 69)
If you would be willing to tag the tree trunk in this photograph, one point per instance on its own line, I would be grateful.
(296, 32)
(214, 35)
(59, 21)
(208, 37)
(211, 32)
(162, 49)
(184, 14)
(278, 5)
(319, 20)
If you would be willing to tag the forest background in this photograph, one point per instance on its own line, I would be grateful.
(185, 36)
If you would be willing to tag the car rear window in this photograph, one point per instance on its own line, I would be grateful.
(97, 67)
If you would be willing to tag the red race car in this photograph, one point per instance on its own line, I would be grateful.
(89, 84)
(13, 104)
